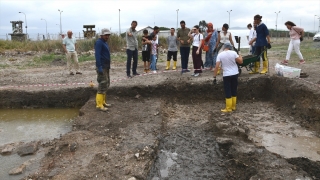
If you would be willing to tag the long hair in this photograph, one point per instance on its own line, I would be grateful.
(290, 23)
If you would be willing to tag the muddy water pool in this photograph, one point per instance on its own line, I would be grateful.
(26, 125)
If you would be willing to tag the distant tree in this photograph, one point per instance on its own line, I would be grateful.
(163, 28)
(202, 26)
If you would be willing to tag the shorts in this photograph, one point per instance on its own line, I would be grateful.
(173, 54)
(146, 56)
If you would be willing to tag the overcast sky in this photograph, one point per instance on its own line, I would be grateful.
(105, 14)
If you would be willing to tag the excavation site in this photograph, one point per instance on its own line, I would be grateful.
(169, 126)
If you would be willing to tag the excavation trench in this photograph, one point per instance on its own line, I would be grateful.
(175, 130)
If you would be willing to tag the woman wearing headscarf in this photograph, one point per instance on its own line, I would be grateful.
(211, 41)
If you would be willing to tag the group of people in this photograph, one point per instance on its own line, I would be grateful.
(220, 52)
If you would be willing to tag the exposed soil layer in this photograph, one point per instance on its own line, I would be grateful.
(175, 130)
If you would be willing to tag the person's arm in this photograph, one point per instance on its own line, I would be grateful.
(268, 39)
(239, 59)
(98, 50)
(218, 41)
(216, 69)
(254, 39)
(129, 32)
(75, 46)
(64, 48)
(230, 39)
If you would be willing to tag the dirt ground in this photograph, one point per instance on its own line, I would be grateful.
(169, 126)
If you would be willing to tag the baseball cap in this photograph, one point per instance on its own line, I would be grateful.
(105, 31)
(227, 45)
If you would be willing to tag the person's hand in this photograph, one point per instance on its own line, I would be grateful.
(188, 41)
(130, 34)
(209, 33)
(215, 50)
(181, 41)
(214, 81)
(250, 42)
(197, 52)
(269, 46)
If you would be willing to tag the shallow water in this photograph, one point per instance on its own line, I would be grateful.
(26, 125)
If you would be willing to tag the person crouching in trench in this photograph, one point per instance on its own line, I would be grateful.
(228, 60)
(103, 59)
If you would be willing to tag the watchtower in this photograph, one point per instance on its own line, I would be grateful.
(17, 31)
(89, 32)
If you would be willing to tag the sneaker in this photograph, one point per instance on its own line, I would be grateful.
(145, 71)
(187, 70)
(302, 61)
(78, 72)
(148, 70)
(285, 62)
(196, 74)
(193, 74)
(128, 76)
(154, 71)
(71, 73)
(136, 74)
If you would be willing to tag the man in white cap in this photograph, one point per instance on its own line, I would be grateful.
(228, 60)
(103, 59)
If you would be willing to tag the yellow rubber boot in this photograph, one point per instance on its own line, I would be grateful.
(174, 65)
(228, 105)
(265, 67)
(99, 102)
(104, 101)
(256, 68)
(168, 65)
(234, 103)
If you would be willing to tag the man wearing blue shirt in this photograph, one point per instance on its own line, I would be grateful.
(102, 55)
(262, 41)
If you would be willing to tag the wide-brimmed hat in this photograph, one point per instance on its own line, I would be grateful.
(105, 31)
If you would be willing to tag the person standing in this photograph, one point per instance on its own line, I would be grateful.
(172, 42)
(146, 48)
(70, 48)
(262, 42)
(155, 33)
(132, 49)
(211, 41)
(223, 37)
(295, 33)
(228, 60)
(250, 37)
(153, 54)
(184, 40)
(196, 50)
(103, 59)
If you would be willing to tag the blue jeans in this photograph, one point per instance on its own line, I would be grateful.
(132, 55)
(184, 52)
(153, 62)
(230, 84)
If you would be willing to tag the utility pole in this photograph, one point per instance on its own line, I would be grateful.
(277, 19)
(177, 17)
(229, 18)
(119, 24)
(60, 22)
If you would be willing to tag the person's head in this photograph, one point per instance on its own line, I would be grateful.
(182, 24)
(227, 45)
(257, 19)
(289, 24)
(249, 26)
(145, 32)
(154, 37)
(105, 34)
(225, 27)
(172, 30)
(210, 27)
(62, 36)
(69, 33)
(156, 29)
(195, 29)
(134, 25)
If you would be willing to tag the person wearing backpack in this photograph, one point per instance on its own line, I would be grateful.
(196, 50)
(296, 36)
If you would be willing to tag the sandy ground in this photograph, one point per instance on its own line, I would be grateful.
(169, 126)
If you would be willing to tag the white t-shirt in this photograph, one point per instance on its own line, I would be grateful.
(196, 39)
(251, 33)
(228, 62)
